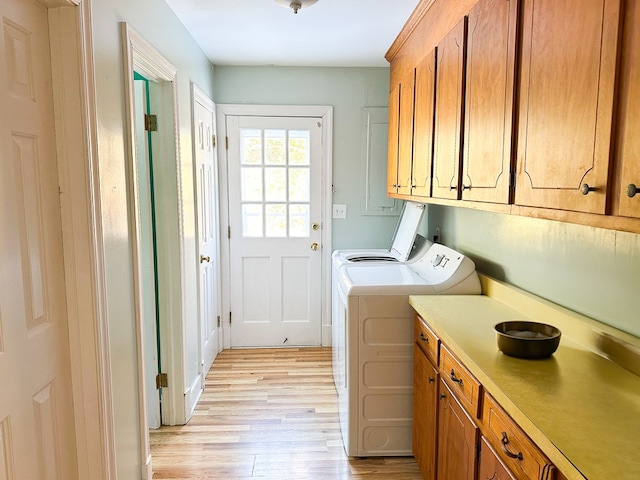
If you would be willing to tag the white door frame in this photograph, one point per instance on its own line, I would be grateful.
(78, 176)
(326, 114)
(142, 57)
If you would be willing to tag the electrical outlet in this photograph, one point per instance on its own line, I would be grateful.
(339, 211)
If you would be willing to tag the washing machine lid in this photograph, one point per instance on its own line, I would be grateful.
(382, 279)
(406, 229)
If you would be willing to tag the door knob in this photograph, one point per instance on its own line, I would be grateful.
(586, 188)
(632, 189)
(315, 226)
(314, 246)
(204, 258)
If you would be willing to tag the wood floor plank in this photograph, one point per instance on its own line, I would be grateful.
(267, 414)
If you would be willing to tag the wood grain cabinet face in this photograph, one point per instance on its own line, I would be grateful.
(490, 467)
(401, 135)
(567, 81)
(392, 157)
(457, 439)
(491, 51)
(423, 126)
(447, 154)
(629, 113)
(425, 418)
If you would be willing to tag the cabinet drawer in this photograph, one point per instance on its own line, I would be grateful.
(426, 339)
(513, 446)
(462, 383)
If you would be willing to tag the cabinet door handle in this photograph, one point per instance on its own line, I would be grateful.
(632, 189)
(453, 377)
(431, 379)
(423, 338)
(505, 442)
(442, 396)
(586, 188)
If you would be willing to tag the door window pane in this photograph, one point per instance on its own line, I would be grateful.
(276, 224)
(276, 184)
(251, 184)
(299, 185)
(299, 147)
(299, 220)
(252, 220)
(250, 147)
(275, 142)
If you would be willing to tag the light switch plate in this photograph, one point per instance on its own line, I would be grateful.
(339, 210)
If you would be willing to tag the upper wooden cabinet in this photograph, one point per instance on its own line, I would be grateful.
(491, 53)
(629, 127)
(568, 68)
(447, 151)
(423, 125)
(401, 135)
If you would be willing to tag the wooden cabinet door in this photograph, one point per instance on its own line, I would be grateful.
(423, 125)
(490, 467)
(491, 50)
(425, 413)
(567, 82)
(405, 133)
(457, 438)
(392, 156)
(629, 126)
(447, 153)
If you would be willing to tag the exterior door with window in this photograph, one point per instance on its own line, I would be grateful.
(274, 175)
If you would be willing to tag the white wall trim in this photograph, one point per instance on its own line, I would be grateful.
(78, 171)
(325, 112)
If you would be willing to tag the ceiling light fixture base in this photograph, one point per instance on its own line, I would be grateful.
(296, 5)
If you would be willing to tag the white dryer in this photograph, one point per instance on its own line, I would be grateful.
(373, 345)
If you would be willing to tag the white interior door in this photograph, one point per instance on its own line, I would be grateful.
(36, 408)
(274, 176)
(206, 182)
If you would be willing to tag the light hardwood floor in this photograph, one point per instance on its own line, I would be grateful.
(269, 414)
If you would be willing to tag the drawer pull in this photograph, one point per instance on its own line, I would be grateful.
(453, 377)
(431, 379)
(505, 442)
(423, 338)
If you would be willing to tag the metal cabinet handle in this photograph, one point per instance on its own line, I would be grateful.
(431, 379)
(453, 377)
(585, 189)
(632, 189)
(205, 258)
(423, 338)
(505, 442)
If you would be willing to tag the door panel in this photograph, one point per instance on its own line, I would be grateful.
(206, 182)
(36, 415)
(275, 220)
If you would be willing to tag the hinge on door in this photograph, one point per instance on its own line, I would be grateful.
(213, 141)
(151, 123)
(218, 321)
(229, 318)
(226, 142)
(229, 231)
(162, 380)
(512, 180)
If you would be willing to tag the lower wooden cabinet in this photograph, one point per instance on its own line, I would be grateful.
(457, 438)
(490, 467)
(425, 405)
(452, 438)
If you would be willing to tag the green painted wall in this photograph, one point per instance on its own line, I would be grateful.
(347, 90)
(592, 271)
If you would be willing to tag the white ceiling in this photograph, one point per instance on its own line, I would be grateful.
(344, 33)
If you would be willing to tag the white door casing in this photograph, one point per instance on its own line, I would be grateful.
(275, 212)
(37, 431)
(206, 181)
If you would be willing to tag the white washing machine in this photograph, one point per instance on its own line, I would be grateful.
(373, 345)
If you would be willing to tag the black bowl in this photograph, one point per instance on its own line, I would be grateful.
(524, 339)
